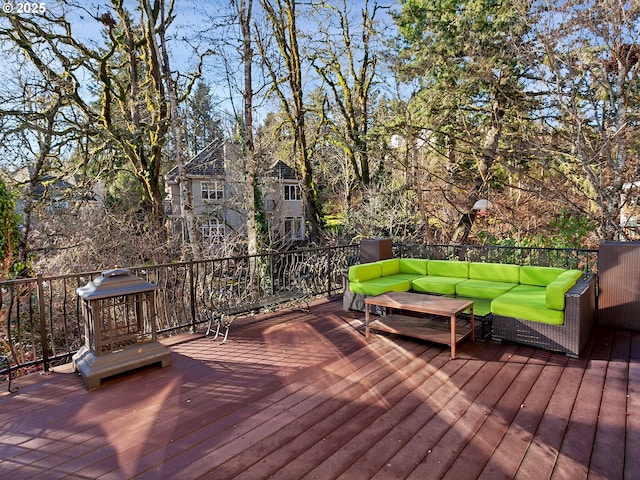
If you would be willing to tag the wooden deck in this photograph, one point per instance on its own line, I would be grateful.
(304, 395)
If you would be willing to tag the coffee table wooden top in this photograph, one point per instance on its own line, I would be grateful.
(420, 302)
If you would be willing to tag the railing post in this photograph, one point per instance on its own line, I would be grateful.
(192, 295)
(272, 273)
(43, 322)
(329, 272)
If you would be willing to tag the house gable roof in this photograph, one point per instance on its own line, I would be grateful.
(282, 171)
(208, 163)
(48, 184)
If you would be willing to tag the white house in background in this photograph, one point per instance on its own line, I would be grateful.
(216, 182)
(282, 198)
(57, 194)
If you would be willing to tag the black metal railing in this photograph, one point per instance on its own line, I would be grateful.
(42, 325)
(568, 258)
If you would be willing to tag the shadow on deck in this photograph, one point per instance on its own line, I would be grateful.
(304, 395)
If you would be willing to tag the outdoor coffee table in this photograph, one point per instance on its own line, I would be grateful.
(432, 330)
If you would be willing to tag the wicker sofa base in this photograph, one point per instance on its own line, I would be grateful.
(569, 338)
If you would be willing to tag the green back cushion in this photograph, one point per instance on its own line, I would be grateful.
(447, 268)
(364, 272)
(390, 266)
(436, 284)
(417, 266)
(539, 276)
(483, 288)
(556, 289)
(494, 272)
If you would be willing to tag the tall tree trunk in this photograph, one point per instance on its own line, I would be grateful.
(35, 173)
(348, 70)
(244, 8)
(145, 159)
(282, 16)
(480, 185)
(160, 50)
(417, 176)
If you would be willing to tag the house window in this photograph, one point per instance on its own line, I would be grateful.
(294, 228)
(212, 190)
(292, 192)
(213, 231)
(59, 204)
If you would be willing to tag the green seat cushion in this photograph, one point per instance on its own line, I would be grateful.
(448, 268)
(483, 288)
(435, 284)
(495, 272)
(481, 306)
(527, 302)
(416, 266)
(364, 272)
(378, 286)
(540, 276)
(560, 286)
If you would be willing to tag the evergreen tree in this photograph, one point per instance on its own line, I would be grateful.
(466, 57)
(9, 236)
(202, 127)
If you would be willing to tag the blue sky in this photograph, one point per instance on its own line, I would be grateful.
(193, 23)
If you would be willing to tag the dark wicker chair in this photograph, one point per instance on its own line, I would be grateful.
(569, 338)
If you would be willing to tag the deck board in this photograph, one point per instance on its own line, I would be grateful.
(514, 444)
(577, 446)
(305, 395)
(607, 460)
(632, 430)
(512, 387)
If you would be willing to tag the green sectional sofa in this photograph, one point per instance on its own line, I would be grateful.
(545, 307)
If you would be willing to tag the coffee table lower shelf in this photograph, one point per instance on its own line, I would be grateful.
(425, 329)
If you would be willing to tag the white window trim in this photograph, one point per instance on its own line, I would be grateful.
(212, 190)
(294, 228)
(290, 189)
(213, 231)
